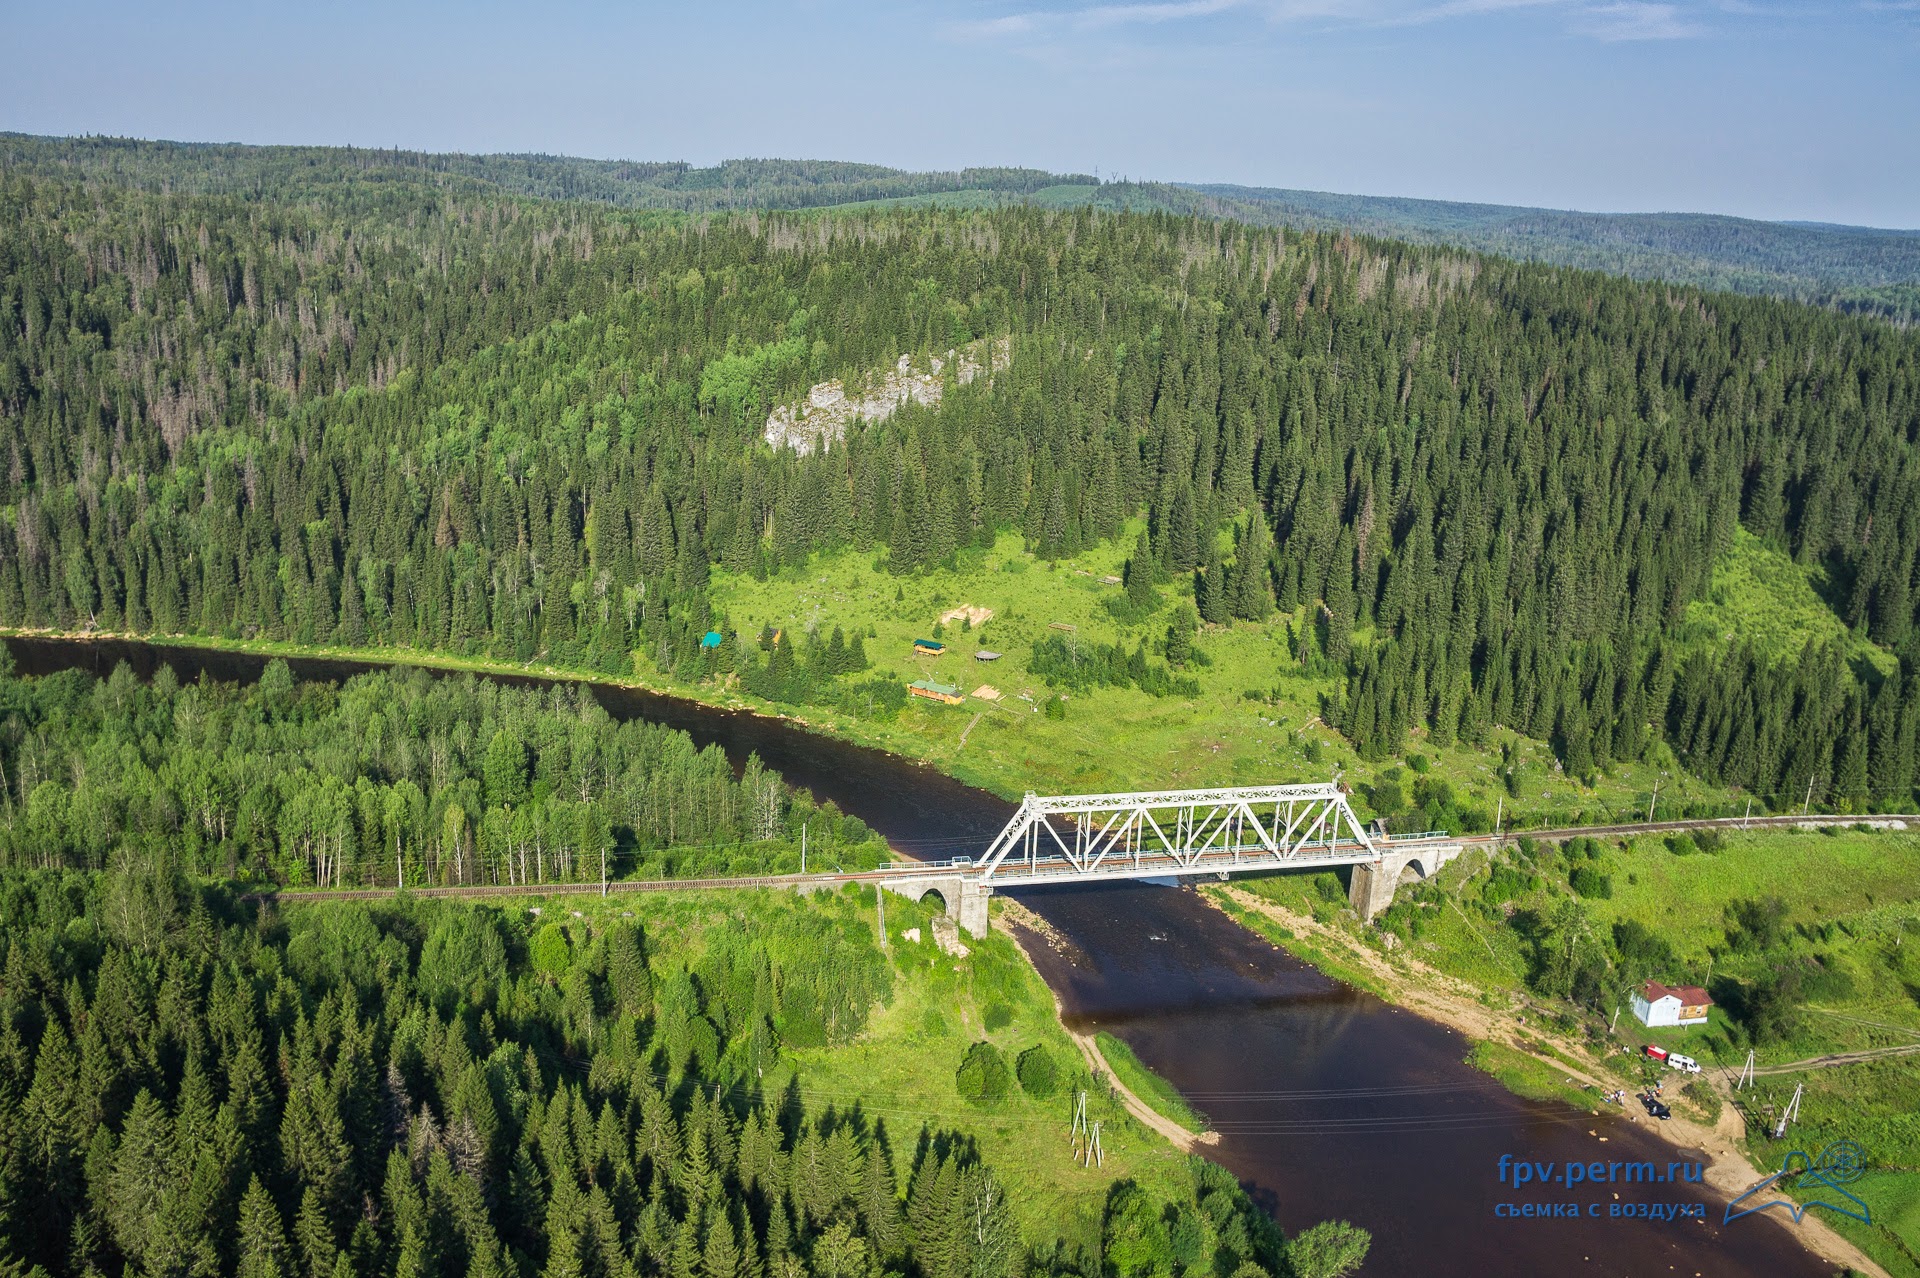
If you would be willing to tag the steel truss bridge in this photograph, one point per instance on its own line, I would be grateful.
(1082, 838)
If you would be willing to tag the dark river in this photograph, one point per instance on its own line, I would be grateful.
(1330, 1102)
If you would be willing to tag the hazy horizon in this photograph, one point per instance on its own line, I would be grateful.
(1698, 106)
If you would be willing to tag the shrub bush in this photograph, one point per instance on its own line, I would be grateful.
(983, 1077)
(1588, 881)
(551, 953)
(1038, 1072)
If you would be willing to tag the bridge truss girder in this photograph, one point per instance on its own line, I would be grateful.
(1177, 832)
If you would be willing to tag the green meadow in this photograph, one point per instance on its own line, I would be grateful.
(1256, 718)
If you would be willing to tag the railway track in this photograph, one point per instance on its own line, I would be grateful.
(839, 878)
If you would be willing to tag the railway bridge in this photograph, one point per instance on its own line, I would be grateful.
(1167, 835)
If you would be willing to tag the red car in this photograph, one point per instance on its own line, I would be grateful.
(1657, 1053)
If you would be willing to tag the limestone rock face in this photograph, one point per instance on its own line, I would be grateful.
(822, 419)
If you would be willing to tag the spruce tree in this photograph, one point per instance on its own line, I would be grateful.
(262, 1248)
(1252, 587)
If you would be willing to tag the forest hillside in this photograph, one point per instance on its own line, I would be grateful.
(1861, 269)
(1440, 504)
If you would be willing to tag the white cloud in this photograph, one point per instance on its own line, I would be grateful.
(1109, 15)
(1635, 20)
(1616, 20)
(1089, 17)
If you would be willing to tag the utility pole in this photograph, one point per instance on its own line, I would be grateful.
(1499, 811)
(399, 872)
(803, 847)
(1746, 1073)
(1792, 1111)
(603, 871)
(1809, 801)
(1747, 820)
(880, 905)
(1655, 799)
(1611, 1025)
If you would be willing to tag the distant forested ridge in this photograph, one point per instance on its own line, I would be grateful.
(1853, 268)
(281, 172)
(1850, 268)
(409, 415)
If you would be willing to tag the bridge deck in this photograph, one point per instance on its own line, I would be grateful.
(1253, 858)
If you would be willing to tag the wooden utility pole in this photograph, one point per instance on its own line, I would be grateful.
(1809, 800)
(880, 907)
(803, 847)
(1655, 799)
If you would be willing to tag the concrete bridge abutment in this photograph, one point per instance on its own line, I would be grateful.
(1374, 882)
(964, 895)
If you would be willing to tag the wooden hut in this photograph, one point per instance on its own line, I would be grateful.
(945, 693)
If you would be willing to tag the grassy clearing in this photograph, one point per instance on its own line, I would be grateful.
(1823, 876)
(1893, 1200)
(1147, 1085)
(1125, 739)
(1760, 596)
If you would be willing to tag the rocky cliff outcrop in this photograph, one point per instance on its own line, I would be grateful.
(821, 420)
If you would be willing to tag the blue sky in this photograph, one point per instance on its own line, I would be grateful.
(1765, 108)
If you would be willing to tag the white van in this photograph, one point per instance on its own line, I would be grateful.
(1684, 1063)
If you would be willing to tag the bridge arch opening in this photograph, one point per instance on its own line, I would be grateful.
(933, 898)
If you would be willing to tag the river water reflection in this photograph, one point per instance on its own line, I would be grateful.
(1330, 1102)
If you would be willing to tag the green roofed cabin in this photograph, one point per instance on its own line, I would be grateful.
(929, 647)
(944, 693)
(711, 639)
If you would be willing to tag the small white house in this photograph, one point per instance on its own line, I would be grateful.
(1657, 1005)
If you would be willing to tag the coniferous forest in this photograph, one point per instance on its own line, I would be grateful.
(329, 409)
(194, 1083)
(395, 779)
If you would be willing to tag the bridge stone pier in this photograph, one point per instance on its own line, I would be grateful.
(964, 894)
(1374, 882)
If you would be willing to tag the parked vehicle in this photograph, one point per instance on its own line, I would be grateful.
(1657, 1053)
(1654, 1106)
(1684, 1063)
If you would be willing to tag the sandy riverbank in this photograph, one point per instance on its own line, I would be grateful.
(1027, 928)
